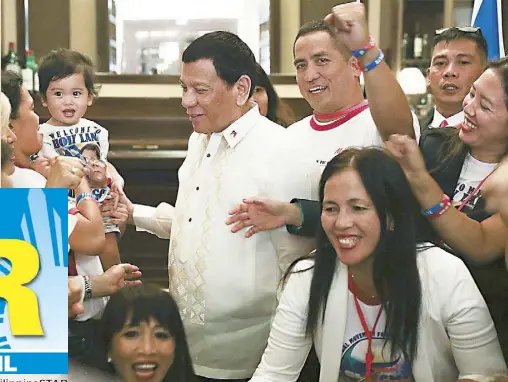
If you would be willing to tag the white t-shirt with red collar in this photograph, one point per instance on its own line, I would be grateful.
(325, 140)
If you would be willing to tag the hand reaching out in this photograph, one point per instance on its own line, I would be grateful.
(259, 214)
(114, 279)
(118, 215)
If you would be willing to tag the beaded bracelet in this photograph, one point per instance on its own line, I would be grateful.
(438, 209)
(362, 51)
(380, 57)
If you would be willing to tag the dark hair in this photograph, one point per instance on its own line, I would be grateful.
(453, 145)
(454, 33)
(136, 304)
(395, 269)
(321, 26)
(231, 57)
(62, 63)
(92, 147)
(278, 111)
(12, 83)
(6, 153)
(264, 82)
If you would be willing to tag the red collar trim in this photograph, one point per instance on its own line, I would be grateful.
(341, 117)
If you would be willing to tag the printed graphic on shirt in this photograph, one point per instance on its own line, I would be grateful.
(75, 137)
(463, 191)
(100, 194)
(472, 176)
(353, 365)
(71, 140)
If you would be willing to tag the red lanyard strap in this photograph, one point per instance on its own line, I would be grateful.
(369, 357)
(475, 191)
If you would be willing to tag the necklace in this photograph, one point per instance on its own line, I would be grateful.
(356, 284)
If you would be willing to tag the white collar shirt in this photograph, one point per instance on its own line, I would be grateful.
(453, 120)
(225, 284)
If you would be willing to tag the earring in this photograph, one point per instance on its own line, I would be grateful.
(109, 360)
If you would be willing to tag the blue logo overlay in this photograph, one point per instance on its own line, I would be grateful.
(33, 260)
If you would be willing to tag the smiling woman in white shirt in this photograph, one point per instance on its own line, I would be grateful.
(375, 305)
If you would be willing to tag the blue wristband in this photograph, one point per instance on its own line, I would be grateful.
(444, 203)
(380, 57)
(362, 51)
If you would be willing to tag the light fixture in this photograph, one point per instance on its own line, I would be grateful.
(412, 81)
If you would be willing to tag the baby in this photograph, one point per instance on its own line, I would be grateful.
(67, 88)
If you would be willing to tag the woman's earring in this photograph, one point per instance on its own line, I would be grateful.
(109, 360)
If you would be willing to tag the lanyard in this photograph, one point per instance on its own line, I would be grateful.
(369, 357)
(475, 191)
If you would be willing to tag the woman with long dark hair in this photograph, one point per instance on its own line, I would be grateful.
(144, 336)
(270, 105)
(450, 168)
(375, 304)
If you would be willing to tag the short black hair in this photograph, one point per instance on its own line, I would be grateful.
(62, 63)
(231, 57)
(136, 304)
(454, 33)
(321, 26)
(12, 84)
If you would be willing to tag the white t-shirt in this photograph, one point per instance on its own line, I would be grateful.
(69, 140)
(27, 178)
(354, 349)
(325, 143)
(473, 172)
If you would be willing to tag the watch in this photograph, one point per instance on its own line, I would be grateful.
(88, 288)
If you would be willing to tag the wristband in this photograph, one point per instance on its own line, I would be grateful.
(380, 57)
(362, 51)
(88, 288)
(438, 209)
(84, 196)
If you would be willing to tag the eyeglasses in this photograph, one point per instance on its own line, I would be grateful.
(472, 30)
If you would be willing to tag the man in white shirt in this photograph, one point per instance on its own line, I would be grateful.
(225, 284)
(328, 65)
(459, 57)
